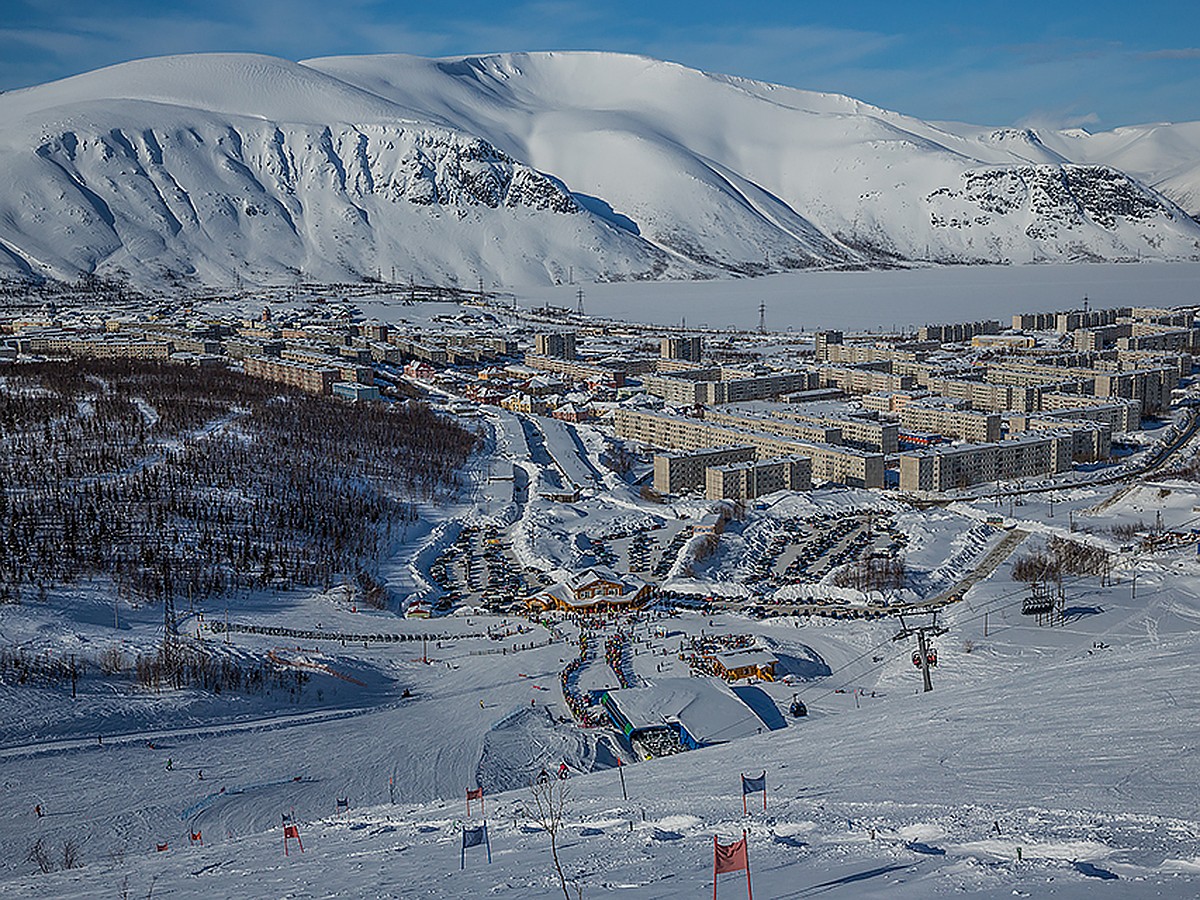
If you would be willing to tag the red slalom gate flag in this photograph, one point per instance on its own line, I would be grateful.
(291, 832)
(474, 794)
(731, 858)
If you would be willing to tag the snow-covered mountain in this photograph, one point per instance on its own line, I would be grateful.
(532, 168)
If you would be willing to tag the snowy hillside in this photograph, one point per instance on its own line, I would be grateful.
(537, 168)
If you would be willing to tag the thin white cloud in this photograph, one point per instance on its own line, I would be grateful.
(1177, 53)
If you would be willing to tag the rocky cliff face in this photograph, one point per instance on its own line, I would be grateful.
(1061, 209)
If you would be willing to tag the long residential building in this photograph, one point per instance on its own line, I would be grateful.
(710, 387)
(576, 369)
(982, 395)
(1151, 386)
(863, 381)
(1091, 441)
(956, 466)
(683, 470)
(957, 332)
(871, 434)
(800, 430)
(1120, 415)
(858, 354)
(842, 465)
(747, 480)
(314, 379)
(65, 343)
(966, 425)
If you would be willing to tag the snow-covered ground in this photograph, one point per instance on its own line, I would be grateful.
(1047, 759)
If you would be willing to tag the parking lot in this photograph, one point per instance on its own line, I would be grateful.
(646, 552)
(805, 550)
(478, 569)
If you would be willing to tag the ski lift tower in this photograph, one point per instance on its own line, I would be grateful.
(1042, 604)
(925, 657)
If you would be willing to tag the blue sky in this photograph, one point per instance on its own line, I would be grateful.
(1058, 62)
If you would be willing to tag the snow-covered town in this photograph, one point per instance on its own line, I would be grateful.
(937, 587)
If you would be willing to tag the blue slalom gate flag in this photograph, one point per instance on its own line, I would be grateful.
(474, 837)
(752, 785)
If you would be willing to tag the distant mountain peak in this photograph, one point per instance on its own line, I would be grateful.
(522, 167)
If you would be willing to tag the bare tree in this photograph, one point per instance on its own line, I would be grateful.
(39, 854)
(550, 798)
(70, 854)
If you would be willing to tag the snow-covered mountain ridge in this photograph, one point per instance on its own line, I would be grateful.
(531, 168)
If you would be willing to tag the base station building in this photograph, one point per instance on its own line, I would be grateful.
(676, 714)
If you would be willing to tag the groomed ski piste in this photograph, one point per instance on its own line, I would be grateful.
(1048, 760)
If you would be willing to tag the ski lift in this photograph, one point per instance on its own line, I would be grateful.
(798, 709)
(931, 656)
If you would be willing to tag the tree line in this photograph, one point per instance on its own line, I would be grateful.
(194, 483)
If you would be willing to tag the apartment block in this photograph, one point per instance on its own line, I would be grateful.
(862, 354)
(1065, 322)
(841, 465)
(958, 332)
(960, 424)
(314, 379)
(824, 341)
(1120, 415)
(683, 470)
(1154, 337)
(857, 432)
(1150, 387)
(956, 466)
(863, 381)
(576, 369)
(890, 402)
(1101, 337)
(66, 343)
(1090, 441)
(559, 344)
(717, 386)
(800, 430)
(686, 348)
(1033, 321)
(984, 396)
(747, 480)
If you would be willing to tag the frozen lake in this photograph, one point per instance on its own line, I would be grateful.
(881, 300)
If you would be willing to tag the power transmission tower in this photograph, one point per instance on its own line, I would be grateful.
(762, 317)
(928, 655)
(579, 301)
